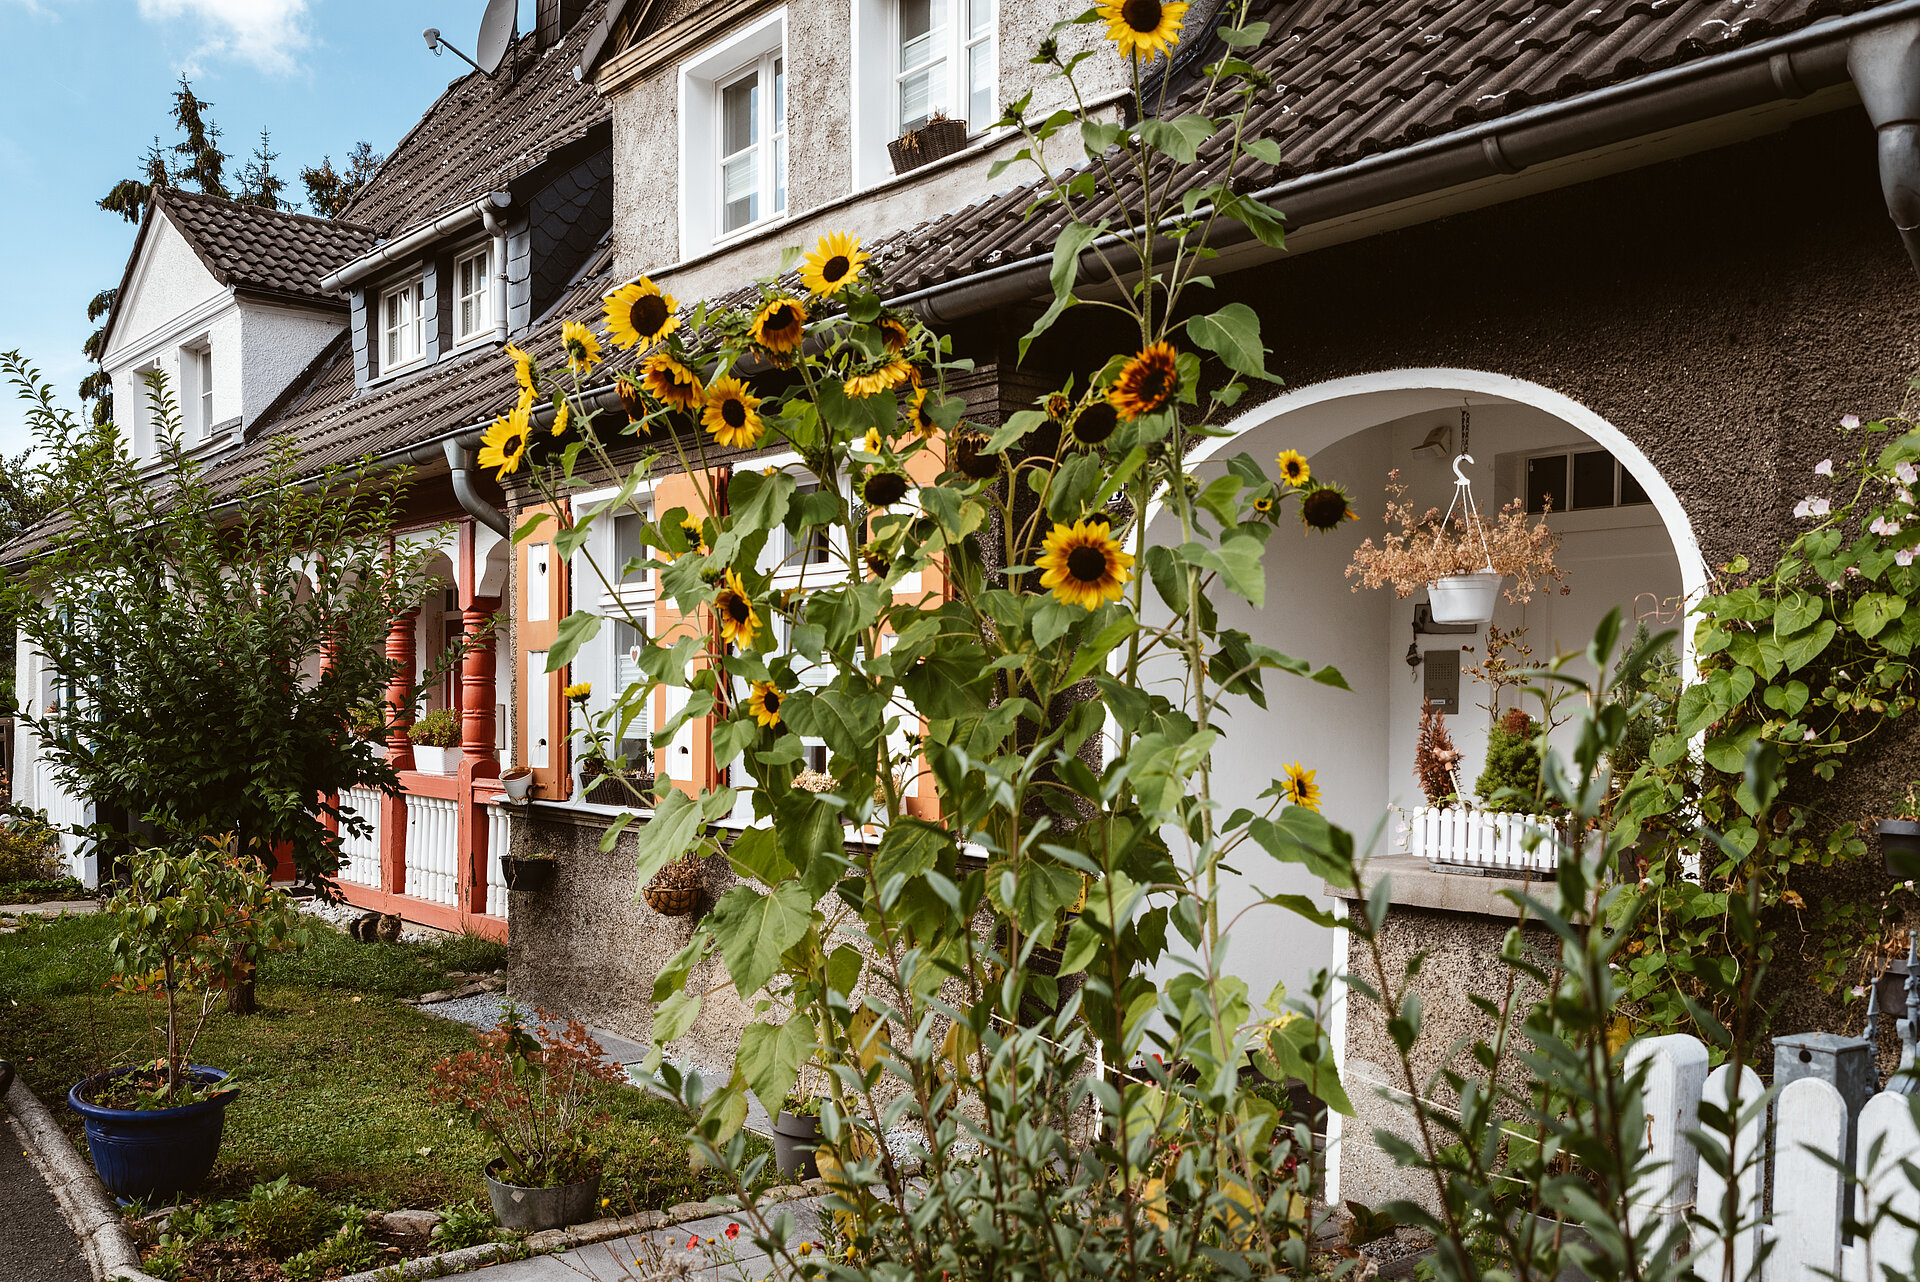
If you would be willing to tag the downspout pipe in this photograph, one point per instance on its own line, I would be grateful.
(1785, 67)
(410, 245)
(1885, 66)
(460, 451)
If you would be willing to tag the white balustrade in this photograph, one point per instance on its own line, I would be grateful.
(1468, 838)
(362, 852)
(433, 846)
(499, 839)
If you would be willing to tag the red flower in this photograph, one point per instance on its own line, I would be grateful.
(693, 1242)
(733, 1230)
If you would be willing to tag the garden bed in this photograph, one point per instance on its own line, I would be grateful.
(42, 891)
(333, 1073)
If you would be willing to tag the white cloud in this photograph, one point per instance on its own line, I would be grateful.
(266, 33)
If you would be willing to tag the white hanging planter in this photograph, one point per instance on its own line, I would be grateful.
(1464, 598)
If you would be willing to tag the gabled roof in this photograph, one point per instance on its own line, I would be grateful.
(250, 249)
(481, 133)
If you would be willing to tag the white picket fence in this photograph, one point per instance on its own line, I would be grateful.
(362, 866)
(1463, 837)
(433, 849)
(1809, 1195)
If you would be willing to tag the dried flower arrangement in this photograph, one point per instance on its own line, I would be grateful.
(1436, 761)
(675, 890)
(1423, 551)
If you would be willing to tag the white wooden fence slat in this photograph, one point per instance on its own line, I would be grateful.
(1809, 1195)
(1887, 1124)
(1676, 1076)
(1712, 1201)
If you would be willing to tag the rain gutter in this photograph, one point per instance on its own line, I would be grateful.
(1880, 44)
(410, 245)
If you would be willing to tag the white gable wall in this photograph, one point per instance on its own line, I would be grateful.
(279, 343)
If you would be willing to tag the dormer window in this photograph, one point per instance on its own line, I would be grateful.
(403, 318)
(473, 295)
(733, 139)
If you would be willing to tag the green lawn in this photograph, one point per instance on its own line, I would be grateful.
(333, 1071)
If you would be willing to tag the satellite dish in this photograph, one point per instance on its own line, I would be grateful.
(497, 29)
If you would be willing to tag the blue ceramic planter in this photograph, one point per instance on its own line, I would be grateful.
(150, 1153)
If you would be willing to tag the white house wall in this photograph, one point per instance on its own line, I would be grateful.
(279, 343)
(169, 282)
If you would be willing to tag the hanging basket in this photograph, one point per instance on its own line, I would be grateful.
(1464, 598)
(672, 901)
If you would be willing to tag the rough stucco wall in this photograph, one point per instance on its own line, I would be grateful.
(278, 343)
(646, 175)
(819, 102)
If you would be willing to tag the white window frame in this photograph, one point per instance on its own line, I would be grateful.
(394, 358)
(143, 436)
(486, 324)
(196, 387)
(598, 661)
(755, 47)
(877, 78)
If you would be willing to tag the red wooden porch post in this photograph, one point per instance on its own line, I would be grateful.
(393, 810)
(477, 759)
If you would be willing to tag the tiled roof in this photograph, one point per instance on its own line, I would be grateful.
(483, 133)
(248, 247)
(1356, 77)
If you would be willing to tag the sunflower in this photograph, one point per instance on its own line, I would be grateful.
(738, 622)
(917, 415)
(696, 534)
(505, 443)
(1083, 564)
(639, 315)
(872, 444)
(583, 347)
(878, 560)
(969, 457)
(888, 376)
(1147, 383)
(578, 692)
(764, 703)
(1299, 788)
(523, 375)
(894, 332)
(672, 383)
(1293, 467)
(833, 264)
(1143, 28)
(1264, 506)
(1325, 506)
(562, 414)
(732, 414)
(1095, 423)
(884, 488)
(780, 325)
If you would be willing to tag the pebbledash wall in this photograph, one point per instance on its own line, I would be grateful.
(1720, 311)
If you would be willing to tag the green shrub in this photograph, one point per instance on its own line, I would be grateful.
(27, 848)
(283, 1218)
(348, 1251)
(463, 1224)
(1511, 778)
(437, 729)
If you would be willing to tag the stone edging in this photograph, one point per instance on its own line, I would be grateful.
(566, 1239)
(96, 1221)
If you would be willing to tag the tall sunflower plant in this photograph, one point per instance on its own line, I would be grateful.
(997, 937)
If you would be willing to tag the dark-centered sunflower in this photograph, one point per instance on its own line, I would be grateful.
(1299, 788)
(505, 443)
(873, 382)
(834, 263)
(739, 623)
(919, 414)
(1143, 28)
(1147, 383)
(894, 332)
(1083, 564)
(1293, 467)
(883, 488)
(1264, 505)
(968, 456)
(781, 325)
(1095, 423)
(878, 560)
(583, 347)
(764, 703)
(1325, 506)
(672, 383)
(732, 414)
(639, 315)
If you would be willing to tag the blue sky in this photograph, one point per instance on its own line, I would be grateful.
(85, 85)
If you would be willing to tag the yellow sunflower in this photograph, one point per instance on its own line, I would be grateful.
(578, 692)
(918, 415)
(562, 414)
(523, 375)
(764, 702)
(1293, 467)
(1325, 507)
(833, 264)
(872, 444)
(1143, 28)
(1147, 383)
(739, 624)
(895, 333)
(1299, 787)
(639, 315)
(1083, 564)
(732, 414)
(781, 325)
(505, 443)
(672, 383)
(696, 534)
(583, 347)
(1264, 506)
(872, 383)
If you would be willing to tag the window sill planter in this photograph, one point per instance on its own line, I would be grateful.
(1464, 598)
(1458, 837)
(928, 143)
(153, 1153)
(432, 759)
(531, 1210)
(523, 873)
(795, 1136)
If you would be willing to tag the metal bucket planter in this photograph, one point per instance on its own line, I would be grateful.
(527, 874)
(535, 1209)
(795, 1136)
(154, 1153)
(1900, 847)
(1464, 598)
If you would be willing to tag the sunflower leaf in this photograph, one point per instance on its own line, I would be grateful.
(753, 929)
(1179, 138)
(574, 631)
(1232, 334)
(771, 1055)
(1066, 267)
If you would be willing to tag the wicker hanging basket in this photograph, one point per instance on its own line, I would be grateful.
(675, 890)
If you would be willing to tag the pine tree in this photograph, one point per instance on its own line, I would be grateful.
(329, 191)
(205, 164)
(259, 185)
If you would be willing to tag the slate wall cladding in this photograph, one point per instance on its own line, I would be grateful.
(565, 220)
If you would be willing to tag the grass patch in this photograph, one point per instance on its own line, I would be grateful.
(333, 1071)
(42, 890)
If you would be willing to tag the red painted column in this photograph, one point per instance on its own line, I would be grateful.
(393, 810)
(477, 759)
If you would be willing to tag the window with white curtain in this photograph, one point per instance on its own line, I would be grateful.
(473, 294)
(753, 144)
(403, 322)
(944, 62)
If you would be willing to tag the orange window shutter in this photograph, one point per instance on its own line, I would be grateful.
(540, 710)
(688, 758)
